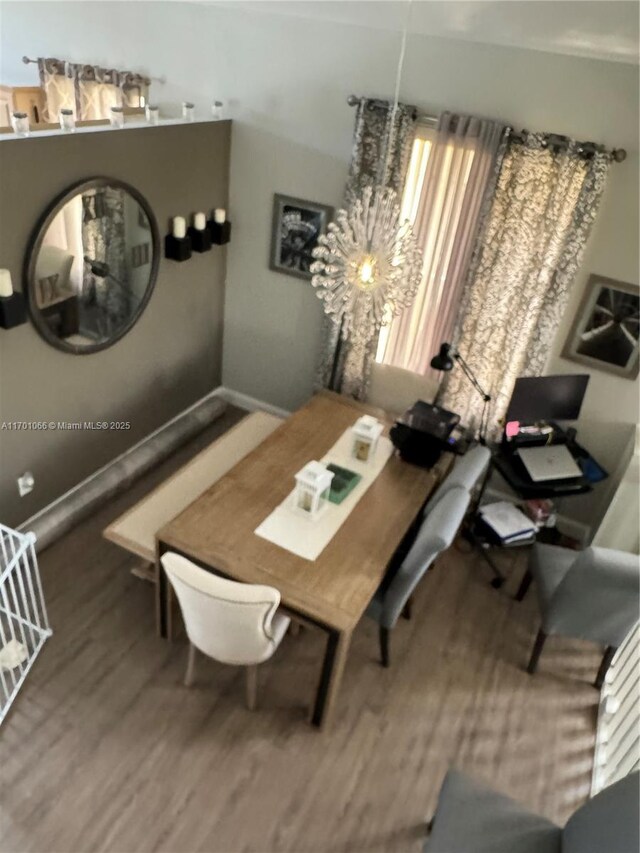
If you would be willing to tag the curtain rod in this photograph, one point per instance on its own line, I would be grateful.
(557, 141)
(27, 61)
(354, 100)
(587, 149)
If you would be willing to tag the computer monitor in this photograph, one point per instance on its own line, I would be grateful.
(547, 398)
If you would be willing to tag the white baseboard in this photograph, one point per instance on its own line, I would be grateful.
(252, 404)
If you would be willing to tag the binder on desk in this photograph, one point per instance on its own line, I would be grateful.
(508, 523)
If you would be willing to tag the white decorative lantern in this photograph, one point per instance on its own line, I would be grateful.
(313, 484)
(366, 432)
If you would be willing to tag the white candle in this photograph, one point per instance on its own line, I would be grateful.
(179, 227)
(199, 221)
(6, 288)
(220, 215)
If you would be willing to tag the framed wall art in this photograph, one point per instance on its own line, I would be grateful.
(605, 331)
(296, 226)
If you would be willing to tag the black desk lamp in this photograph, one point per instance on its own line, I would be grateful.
(101, 269)
(444, 360)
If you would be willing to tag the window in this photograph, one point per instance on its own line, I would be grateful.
(443, 209)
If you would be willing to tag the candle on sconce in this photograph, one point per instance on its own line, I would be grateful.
(219, 227)
(179, 227)
(6, 288)
(199, 221)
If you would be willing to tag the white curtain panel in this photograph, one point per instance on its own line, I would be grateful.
(450, 171)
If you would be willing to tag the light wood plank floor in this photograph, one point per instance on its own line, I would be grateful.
(105, 750)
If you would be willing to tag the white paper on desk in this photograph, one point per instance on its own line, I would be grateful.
(506, 520)
(306, 537)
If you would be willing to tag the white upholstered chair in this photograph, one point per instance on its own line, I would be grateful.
(231, 622)
(395, 389)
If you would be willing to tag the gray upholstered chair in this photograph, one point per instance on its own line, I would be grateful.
(472, 818)
(436, 533)
(592, 595)
(467, 472)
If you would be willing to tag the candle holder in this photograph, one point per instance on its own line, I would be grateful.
(116, 117)
(20, 124)
(12, 311)
(177, 248)
(67, 120)
(200, 239)
(220, 232)
(152, 114)
(188, 111)
(365, 434)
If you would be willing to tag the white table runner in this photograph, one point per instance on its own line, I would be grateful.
(307, 537)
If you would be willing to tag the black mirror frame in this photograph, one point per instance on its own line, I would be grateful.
(35, 244)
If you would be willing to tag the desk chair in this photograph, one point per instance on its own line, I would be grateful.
(593, 595)
(436, 534)
(473, 818)
(231, 622)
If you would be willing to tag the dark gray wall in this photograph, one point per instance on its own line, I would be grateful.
(170, 358)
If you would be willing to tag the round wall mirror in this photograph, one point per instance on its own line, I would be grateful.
(92, 265)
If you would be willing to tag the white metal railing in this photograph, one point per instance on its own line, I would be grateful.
(618, 734)
(24, 626)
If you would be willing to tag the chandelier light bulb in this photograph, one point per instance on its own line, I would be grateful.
(367, 273)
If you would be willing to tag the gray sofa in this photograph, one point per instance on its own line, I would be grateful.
(472, 818)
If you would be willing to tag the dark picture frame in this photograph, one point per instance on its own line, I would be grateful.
(295, 228)
(605, 332)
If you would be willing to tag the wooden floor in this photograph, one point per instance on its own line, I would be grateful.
(105, 750)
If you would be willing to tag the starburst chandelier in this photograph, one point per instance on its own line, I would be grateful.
(367, 268)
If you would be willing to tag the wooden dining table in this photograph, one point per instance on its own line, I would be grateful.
(332, 592)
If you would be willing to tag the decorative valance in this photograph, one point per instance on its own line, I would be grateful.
(89, 90)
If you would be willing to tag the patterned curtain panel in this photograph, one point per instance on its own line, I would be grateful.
(90, 91)
(342, 368)
(108, 302)
(459, 169)
(57, 86)
(531, 245)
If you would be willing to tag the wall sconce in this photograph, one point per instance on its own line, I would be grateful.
(199, 234)
(177, 245)
(12, 310)
(219, 227)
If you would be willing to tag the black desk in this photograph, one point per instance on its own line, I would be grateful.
(510, 467)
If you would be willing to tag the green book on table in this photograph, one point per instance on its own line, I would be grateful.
(343, 483)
